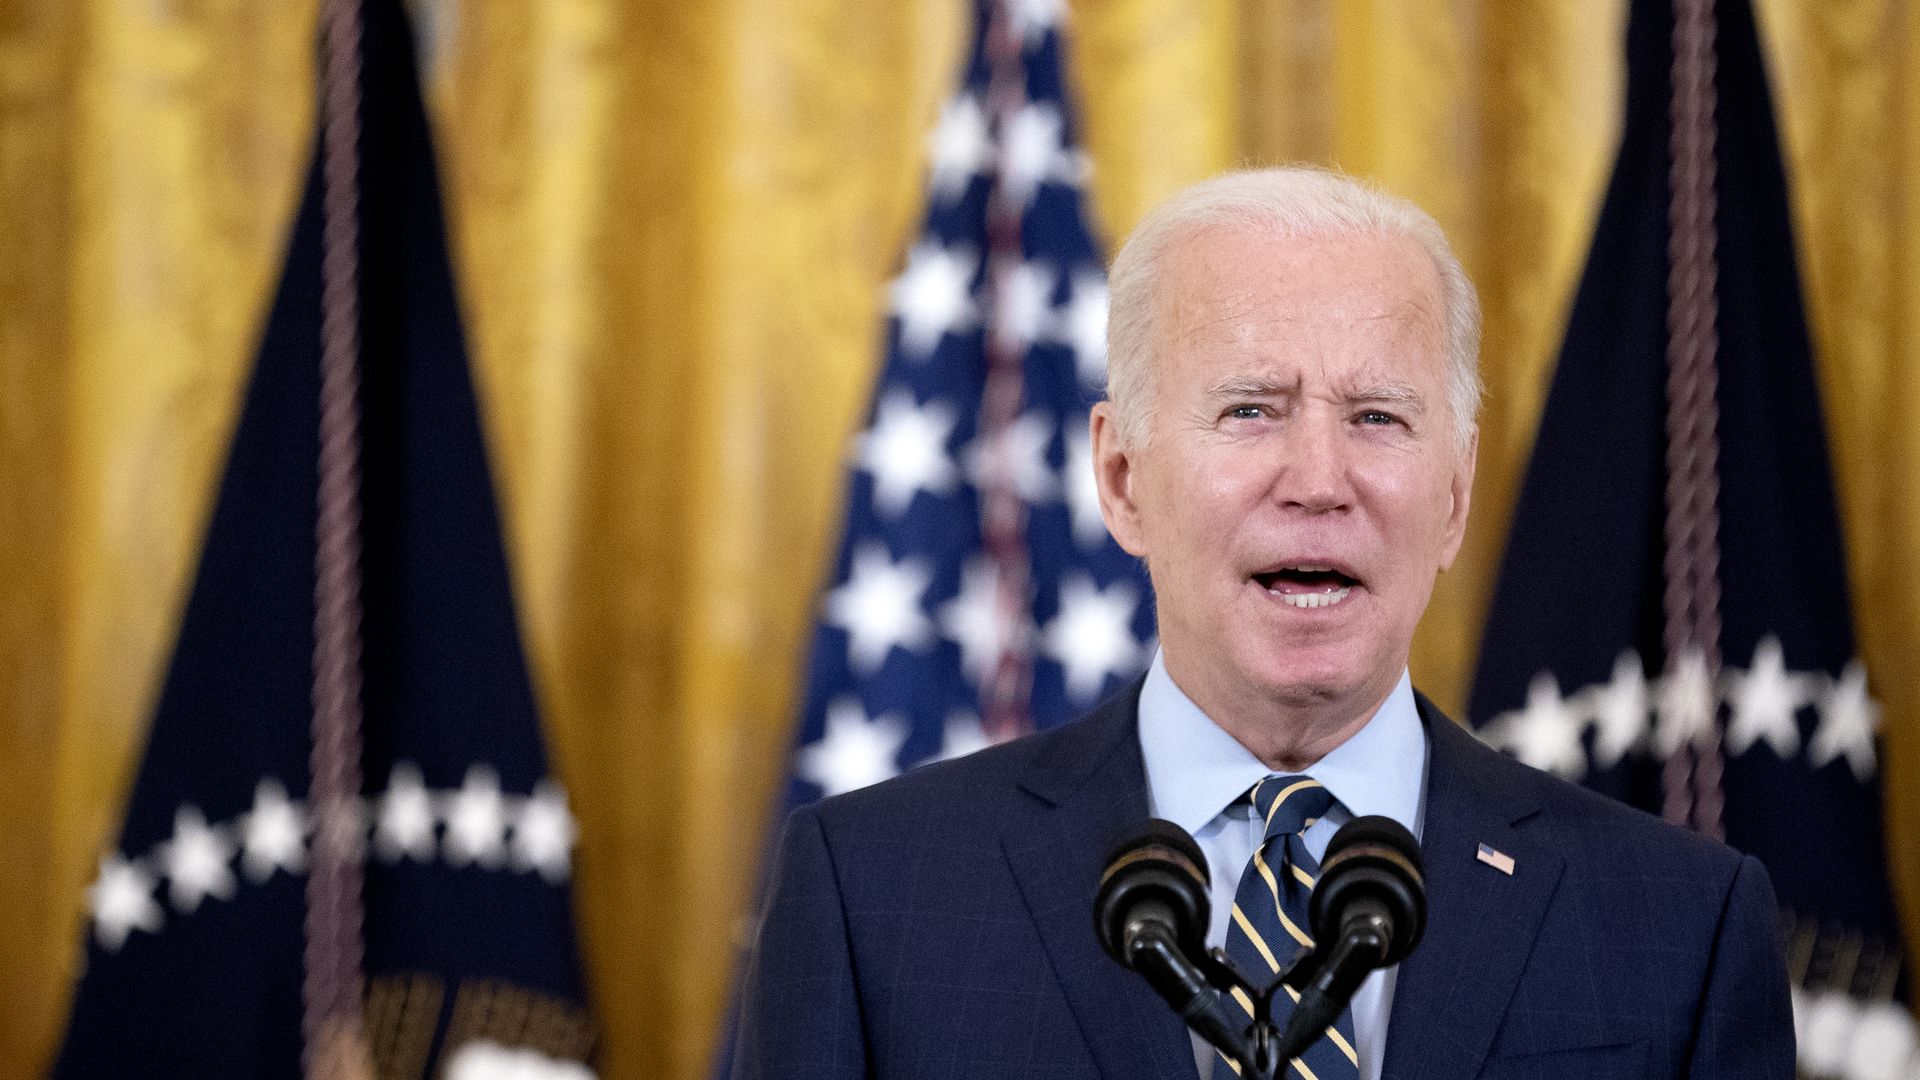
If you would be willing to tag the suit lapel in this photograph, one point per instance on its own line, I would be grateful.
(1453, 992)
(1091, 790)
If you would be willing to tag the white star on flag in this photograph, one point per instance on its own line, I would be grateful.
(1081, 323)
(1849, 717)
(477, 821)
(1687, 704)
(1031, 153)
(1021, 450)
(961, 735)
(274, 833)
(1023, 300)
(933, 296)
(960, 146)
(906, 451)
(1620, 711)
(1765, 700)
(971, 619)
(544, 833)
(1092, 636)
(879, 607)
(121, 899)
(1545, 734)
(854, 751)
(485, 1059)
(196, 860)
(1883, 1043)
(404, 827)
(1032, 19)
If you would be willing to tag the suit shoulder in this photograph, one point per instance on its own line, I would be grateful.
(1588, 821)
(976, 774)
(1582, 823)
(972, 792)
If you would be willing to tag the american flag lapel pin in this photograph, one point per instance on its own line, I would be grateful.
(1499, 860)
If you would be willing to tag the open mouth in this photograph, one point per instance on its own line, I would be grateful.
(1307, 585)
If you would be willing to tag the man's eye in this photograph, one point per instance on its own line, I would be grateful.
(1375, 416)
(1246, 412)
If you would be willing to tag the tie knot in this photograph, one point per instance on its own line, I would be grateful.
(1289, 804)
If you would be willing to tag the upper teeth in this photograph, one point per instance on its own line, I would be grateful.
(1312, 569)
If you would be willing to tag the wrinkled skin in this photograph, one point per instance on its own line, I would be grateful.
(1299, 416)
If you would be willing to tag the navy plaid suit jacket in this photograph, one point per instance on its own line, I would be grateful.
(940, 926)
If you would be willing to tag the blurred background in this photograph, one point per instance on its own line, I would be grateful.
(673, 225)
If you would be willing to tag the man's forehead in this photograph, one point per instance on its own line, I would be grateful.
(1289, 380)
(1373, 339)
(1230, 247)
(1250, 314)
(1246, 279)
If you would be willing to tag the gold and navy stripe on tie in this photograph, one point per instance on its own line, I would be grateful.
(1269, 925)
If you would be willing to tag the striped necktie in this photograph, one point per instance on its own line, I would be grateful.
(1270, 919)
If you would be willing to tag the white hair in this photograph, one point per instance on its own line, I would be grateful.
(1285, 203)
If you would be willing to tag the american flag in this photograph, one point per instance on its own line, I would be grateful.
(977, 594)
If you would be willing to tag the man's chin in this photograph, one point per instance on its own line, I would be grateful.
(1307, 682)
(1308, 693)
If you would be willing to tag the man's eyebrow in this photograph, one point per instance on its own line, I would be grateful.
(1251, 386)
(1391, 393)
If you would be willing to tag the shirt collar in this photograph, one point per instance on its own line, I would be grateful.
(1382, 768)
(1195, 769)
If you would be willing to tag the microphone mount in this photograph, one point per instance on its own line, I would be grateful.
(1367, 912)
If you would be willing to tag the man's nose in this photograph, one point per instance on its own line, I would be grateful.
(1314, 477)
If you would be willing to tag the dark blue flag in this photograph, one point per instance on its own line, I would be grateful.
(194, 946)
(977, 594)
(1778, 751)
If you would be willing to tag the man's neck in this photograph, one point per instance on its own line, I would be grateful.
(1288, 733)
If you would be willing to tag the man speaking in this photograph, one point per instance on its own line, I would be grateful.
(1288, 443)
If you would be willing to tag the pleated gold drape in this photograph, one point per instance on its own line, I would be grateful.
(674, 222)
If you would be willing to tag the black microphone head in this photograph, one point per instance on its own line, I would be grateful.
(1374, 829)
(1373, 860)
(1159, 870)
(1159, 832)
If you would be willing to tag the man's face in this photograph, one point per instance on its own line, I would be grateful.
(1301, 484)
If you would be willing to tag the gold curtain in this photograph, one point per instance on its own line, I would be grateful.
(674, 223)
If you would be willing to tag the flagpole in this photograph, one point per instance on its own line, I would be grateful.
(334, 1044)
(1691, 601)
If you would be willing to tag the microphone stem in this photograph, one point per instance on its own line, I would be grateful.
(1154, 954)
(1361, 947)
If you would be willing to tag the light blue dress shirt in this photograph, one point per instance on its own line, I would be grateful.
(1196, 772)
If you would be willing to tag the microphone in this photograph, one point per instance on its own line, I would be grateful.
(1151, 916)
(1366, 912)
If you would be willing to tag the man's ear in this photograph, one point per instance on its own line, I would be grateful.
(1460, 492)
(1113, 465)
